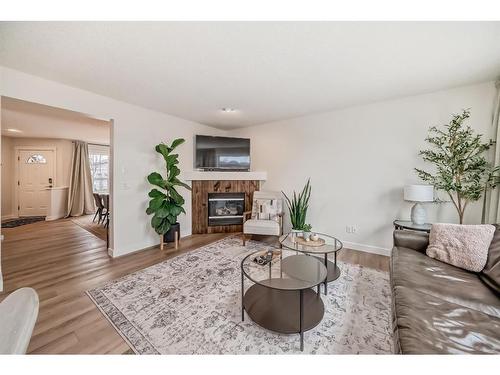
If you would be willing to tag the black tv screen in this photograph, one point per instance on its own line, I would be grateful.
(222, 153)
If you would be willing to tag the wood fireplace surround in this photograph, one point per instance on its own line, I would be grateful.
(200, 192)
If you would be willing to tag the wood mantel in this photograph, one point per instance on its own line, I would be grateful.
(199, 194)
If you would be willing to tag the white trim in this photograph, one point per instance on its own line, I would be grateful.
(225, 176)
(1, 282)
(111, 189)
(7, 217)
(367, 248)
(53, 217)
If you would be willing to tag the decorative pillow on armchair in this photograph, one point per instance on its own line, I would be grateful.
(267, 209)
(464, 246)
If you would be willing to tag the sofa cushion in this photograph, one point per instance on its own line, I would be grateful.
(427, 324)
(464, 246)
(264, 227)
(490, 274)
(414, 270)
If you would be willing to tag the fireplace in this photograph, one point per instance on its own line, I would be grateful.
(225, 208)
(230, 193)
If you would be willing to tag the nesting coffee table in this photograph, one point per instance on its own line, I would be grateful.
(281, 298)
(324, 246)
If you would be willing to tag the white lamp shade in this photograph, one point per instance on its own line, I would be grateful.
(419, 193)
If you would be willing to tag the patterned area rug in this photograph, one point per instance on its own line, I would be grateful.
(22, 221)
(191, 305)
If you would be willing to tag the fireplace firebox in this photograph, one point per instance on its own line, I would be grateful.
(225, 208)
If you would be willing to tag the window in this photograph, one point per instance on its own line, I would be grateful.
(36, 159)
(99, 168)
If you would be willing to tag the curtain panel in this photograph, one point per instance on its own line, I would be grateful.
(80, 197)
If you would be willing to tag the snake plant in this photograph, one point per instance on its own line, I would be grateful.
(297, 206)
(166, 205)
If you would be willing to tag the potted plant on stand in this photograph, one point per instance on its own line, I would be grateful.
(297, 206)
(166, 205)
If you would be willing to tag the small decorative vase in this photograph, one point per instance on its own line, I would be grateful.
(314, 237)
(295, 234)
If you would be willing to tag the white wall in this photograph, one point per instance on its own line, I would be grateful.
(360, 158)
(135, 132)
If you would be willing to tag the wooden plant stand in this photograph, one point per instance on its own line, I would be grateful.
(176, 242)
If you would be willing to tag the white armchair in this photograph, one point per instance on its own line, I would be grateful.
(269, 227)
(18, 313)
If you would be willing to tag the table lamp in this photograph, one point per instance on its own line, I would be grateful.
(418, 194)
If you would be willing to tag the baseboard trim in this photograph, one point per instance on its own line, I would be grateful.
(111, 252)
(367, 248)
(7, 217)
(54, 217)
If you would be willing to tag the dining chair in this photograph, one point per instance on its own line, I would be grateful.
(105, 219)
(100, 207)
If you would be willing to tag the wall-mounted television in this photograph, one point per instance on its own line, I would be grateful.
(222, 153)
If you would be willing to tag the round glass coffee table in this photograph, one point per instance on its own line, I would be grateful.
(281, 298)
(325, 245)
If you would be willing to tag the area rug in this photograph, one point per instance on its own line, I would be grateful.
(12, 223)
(190, 304)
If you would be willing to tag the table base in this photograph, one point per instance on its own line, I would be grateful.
(279, 310)
(333, 271)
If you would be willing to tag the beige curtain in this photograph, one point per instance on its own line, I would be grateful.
(492, 208)
(80, 198)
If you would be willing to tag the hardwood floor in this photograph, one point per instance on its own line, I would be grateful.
(61, 260)
(95, 228)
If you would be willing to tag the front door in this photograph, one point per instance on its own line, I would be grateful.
(36, 171)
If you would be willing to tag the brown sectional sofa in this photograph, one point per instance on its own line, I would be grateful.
(439, 308)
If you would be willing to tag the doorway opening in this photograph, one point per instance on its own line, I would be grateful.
(56, 166)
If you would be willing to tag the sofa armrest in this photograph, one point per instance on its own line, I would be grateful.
(417, 241)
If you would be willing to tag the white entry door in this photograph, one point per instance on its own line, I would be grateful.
(36, 172)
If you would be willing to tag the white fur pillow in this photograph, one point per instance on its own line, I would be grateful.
(464, 246)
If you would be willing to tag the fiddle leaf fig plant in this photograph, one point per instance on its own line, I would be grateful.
(297, 206)
(460, 168)
(166, 204)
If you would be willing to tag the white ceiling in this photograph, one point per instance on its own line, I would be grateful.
(266, 70)
(34, 120)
